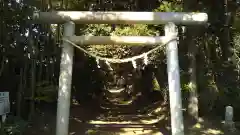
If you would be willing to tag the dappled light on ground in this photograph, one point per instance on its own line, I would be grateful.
(117, 114)
(204, 129)
(149, 120)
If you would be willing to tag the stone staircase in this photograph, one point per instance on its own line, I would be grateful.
(131, 116)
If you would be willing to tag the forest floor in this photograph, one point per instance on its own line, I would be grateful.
(92, 119)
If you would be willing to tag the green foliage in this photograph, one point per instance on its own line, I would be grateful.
(236, 50)
(156, 85)
(134, 30)
(15, 48)
(14, 126)
(46, 92)
(236, 23)
(98, 29)
(167, 6)
(116, 51)
(185, 87)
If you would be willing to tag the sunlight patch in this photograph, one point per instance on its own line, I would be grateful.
(198, 125)
(153, 121)
(213, 132)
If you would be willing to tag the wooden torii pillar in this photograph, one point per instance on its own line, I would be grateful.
(68, 18)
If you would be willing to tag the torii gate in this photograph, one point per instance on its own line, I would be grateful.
(68, 18)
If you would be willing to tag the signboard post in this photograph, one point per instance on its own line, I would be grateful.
(4, 106)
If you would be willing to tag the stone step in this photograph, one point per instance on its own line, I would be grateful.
(106, 126)
(134, 106)
(121, 128)
(126, 129)
(131, 118)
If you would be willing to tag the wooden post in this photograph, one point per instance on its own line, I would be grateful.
(65, 82)
(174, 82)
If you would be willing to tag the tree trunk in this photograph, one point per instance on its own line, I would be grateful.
(66, 4)
(227, 14)
(162, 79)
(25, 79)
(33, 83)
(40, 68)
(2, 64)
(49, 5)
(19, 93)
(50, 43)
(192, 33)
(193, 94)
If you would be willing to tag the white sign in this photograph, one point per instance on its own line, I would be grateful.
(4, 103)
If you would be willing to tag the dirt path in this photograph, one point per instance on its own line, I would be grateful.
(92, 120)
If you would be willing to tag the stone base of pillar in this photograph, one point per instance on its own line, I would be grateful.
(229, 126)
